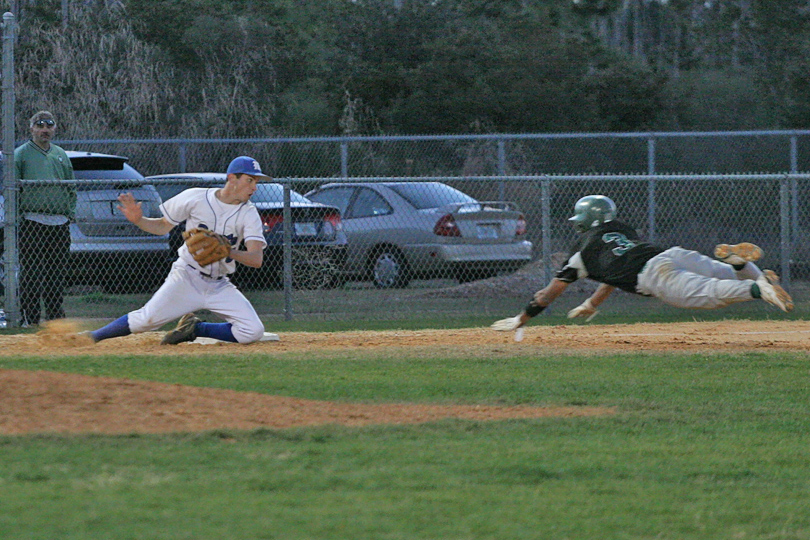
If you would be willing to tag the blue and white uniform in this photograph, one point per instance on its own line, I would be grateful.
(190, 287)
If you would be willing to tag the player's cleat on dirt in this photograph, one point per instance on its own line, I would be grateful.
(772, 292)
(186, 330)
(87, 336)
(738, 254)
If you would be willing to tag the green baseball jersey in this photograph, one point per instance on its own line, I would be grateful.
(610, 253)
(32, 163)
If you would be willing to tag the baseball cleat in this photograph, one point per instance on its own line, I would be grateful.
(87, 335)
(186, 330)
(772, 292)
(738, 254)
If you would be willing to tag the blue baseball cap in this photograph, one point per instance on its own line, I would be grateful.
(246, 165)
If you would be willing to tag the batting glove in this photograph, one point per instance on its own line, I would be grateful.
(586, 309)
(505, 325)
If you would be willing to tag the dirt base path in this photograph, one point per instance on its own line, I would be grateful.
(34, 402)
(62, 339)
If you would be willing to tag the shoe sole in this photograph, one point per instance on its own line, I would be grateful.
(746, 251)
(186, 320)
(771, 276)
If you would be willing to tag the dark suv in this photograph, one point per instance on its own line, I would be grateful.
(106, 250)
(318, 241)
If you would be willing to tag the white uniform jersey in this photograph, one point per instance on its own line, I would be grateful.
(199, 207)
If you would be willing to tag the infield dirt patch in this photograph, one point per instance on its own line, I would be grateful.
(32, 402)
(61, 338)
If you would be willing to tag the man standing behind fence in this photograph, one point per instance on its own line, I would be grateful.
(44, 228)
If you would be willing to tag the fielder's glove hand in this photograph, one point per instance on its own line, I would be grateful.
(505, 325)
(586, 309)
(206, 246)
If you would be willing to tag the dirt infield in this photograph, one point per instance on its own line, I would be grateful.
(53, 402)
(729, 335)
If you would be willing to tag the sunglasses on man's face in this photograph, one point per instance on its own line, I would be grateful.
(42, 123)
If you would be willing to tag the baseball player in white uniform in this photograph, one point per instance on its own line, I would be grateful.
(190, 286)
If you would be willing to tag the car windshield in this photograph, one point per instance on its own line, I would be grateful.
(430, 195)
(274, 193)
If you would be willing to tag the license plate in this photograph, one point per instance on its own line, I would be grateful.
(487, 232)
(305, 229)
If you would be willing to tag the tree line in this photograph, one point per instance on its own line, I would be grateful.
(247, 68)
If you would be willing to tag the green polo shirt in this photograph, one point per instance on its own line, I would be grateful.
(32, 163)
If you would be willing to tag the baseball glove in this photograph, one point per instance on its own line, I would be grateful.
(206, 246)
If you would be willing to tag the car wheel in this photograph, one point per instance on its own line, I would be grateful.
(389, 269)
(312, 269)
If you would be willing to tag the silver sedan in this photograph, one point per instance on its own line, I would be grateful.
(398, 231)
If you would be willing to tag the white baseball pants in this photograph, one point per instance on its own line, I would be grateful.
(688, 279)
(186, 290)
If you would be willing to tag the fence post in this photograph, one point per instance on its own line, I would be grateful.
(344, 160)
(545, 208)
(10, 183)
(651, 233)
(181, 157)
(287, 251)
(794, 187)
(501, 169)
(785, 234)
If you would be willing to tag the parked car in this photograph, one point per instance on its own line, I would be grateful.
(106, 249)
(318, 240)
(402, 230)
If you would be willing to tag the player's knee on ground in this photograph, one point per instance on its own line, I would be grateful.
(248, 333)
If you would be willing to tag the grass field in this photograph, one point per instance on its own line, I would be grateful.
(704, 446)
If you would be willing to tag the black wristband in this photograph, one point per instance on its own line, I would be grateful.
(532, 309)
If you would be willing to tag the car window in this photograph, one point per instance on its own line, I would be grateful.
(338, 197)
(430, 195)
(167, 191)
(274, 193)
(106, 170)
(369, 203)
(125, 173)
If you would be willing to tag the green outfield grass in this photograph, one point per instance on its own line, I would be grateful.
(704, 446)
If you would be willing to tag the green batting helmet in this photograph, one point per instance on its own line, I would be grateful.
(592, 211)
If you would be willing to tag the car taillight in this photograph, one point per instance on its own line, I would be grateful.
(521, 226)
(271, 221)
(446, 226)
(335, 220)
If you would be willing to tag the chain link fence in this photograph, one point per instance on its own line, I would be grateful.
(378, 247)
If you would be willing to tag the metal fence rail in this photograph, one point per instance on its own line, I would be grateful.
(717, 152)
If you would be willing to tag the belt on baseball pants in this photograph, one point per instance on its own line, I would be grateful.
(204, 274)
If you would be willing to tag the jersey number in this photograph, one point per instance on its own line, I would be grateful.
(623, 244)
